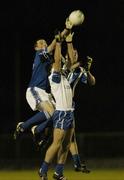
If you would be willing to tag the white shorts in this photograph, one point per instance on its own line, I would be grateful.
(35, 95)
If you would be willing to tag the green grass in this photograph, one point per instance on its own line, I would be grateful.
(115, 174)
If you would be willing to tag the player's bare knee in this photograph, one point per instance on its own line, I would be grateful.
(56, 144)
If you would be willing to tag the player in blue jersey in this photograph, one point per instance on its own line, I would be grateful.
(38, 92)
(83, 74)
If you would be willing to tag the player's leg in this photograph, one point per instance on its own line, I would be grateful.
(39, 99)
(34, 120)
(74, 152)
(41, 138)
(78, 164)
(62, 155)
(47, 107)
(42, 133)
(61, 122)
(58, 135)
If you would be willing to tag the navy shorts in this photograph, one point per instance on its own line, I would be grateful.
(63, 119)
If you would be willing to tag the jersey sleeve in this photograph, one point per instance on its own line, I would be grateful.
(84, 78)
(44, 55)
(56, 77)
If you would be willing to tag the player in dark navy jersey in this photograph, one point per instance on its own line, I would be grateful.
(77, 73)
(38, 92)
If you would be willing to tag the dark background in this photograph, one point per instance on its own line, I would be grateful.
(98, 109)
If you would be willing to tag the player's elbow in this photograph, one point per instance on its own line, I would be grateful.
(92, 81)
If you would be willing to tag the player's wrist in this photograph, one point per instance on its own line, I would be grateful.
(68, 29)
(58, 37)
(69, 42)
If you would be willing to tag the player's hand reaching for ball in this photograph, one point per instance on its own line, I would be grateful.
(69, 37)
(68, 24)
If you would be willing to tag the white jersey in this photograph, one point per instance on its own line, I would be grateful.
(62, 92)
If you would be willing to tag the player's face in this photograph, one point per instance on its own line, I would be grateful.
(75, 55)
(40, 44)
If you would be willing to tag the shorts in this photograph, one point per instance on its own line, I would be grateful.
(63, 119)
(35, 95)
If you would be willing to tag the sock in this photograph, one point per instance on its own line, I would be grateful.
(40, 128)
(76, 160)
(59, 169)
(36, 119)
(44, 167)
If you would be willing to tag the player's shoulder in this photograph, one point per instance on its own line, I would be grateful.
(55, 76)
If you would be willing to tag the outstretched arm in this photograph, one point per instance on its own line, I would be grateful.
(63, 34)
(90, 78)
(70, 48)
(57, 58)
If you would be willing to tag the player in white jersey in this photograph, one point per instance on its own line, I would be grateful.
(62, 119)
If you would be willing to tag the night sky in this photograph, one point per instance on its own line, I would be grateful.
(101, 36)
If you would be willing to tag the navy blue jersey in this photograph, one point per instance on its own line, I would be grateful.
(75, 76)
(40, 70)
(79, 74)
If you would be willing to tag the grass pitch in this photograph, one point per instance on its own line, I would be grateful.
(108, 174)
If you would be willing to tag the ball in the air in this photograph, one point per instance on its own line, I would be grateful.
(76, 17)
